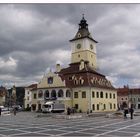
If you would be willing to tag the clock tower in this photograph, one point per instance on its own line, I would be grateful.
(83, 45)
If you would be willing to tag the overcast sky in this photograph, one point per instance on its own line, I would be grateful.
(34, 37)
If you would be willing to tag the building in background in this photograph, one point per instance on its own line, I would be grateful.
(80, 85)
(28, 96)
(128, 96)
(134, 97)
(15, 96)
(3, 93)
(122, 97)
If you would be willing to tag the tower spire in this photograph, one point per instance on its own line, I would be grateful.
(83, 31)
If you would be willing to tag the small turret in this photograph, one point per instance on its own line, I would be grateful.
(58, 67)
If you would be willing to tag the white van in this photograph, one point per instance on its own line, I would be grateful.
(53, 107)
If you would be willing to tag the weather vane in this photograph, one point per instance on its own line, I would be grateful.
(83, 15)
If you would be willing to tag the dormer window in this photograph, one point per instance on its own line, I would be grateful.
(50, 80)
(70, 78)
(79, 35)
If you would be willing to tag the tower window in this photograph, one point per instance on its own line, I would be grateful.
(79, 55)
(91, 46)
(79, 35)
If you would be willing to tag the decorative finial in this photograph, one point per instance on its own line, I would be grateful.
(83, 16)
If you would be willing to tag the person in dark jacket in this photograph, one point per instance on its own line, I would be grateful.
(68, 111)
(131, 110)
(125, 113)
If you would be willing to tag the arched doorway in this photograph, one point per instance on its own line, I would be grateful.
(60, 93)
(46, 94)
(53, 94)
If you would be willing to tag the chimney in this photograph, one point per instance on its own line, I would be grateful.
(82, 65)
(58, 67)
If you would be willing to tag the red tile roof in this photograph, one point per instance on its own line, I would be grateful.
(32, 86)
(89, 76)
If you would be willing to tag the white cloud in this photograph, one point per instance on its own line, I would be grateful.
(10, 63)
(33, 38)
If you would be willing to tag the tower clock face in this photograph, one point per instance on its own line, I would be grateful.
(78, 46)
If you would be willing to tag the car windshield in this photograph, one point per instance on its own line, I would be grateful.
(47, 106)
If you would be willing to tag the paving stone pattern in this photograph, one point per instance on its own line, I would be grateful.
(26, 124)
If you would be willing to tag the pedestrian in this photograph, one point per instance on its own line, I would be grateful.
(131, 110)
(125, 113)
(14, 111)
(0, 111)
(68, 111)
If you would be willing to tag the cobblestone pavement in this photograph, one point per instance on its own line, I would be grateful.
(26, 124)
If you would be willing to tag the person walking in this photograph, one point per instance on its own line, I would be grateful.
(68, 111)
(125, 113)
(14, 111)
(0, 111)
(131, 110)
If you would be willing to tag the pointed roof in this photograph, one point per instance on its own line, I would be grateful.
(83, 31)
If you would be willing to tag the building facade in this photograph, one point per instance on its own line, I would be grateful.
(3, 93)
(134, 97)
(122, 97)
(28, 95)
(127, 97)
(80, 85)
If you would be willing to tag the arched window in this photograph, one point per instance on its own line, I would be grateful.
(46, 95)
(101, 94)
(68, 93)
(60, 93)
(40, 94)
(53, 93)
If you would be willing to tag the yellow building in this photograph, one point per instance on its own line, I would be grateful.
(80, 85)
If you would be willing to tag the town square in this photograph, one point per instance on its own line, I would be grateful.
(69, 74)
(29, 125)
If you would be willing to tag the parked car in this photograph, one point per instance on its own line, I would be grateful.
(4, 108)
